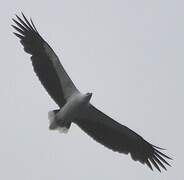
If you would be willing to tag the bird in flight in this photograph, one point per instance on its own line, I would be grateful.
(76, 107)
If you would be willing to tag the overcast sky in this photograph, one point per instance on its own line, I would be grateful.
(129, 53)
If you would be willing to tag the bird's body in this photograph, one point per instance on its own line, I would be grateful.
(76, 107)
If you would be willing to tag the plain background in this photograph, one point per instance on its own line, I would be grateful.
(129, 53)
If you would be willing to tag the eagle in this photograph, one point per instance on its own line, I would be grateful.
(75, 107)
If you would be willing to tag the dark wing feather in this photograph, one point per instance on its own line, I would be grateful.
(120, 138)
(45, 62)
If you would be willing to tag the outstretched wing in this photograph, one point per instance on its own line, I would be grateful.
(120, 138)
(45, 62)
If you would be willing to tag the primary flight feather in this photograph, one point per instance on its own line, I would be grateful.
(76, 107)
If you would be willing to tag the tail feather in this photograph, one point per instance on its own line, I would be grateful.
(60, 125)
(51, 116)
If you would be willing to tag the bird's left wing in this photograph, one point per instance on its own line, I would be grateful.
(45, 62)
(120, 138)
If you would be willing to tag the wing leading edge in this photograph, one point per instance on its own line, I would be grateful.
(45, 62)
(120, 138)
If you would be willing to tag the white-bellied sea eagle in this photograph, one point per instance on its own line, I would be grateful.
(76, 107)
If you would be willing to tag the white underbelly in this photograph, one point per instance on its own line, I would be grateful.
(74, 108)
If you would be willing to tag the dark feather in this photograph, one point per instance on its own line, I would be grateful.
(154, 163)
(27, 22)
(159, 162)
(20, 25)
(18, 29)
(162, 159)
(33, 25)
(120, 138)
(18, 35)
(149, 164)
(43, 66)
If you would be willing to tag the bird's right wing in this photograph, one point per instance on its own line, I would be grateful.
(45, 62)
(120, 138)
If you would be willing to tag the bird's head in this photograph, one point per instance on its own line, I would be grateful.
(88, 96)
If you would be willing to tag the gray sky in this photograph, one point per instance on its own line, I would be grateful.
(128, 53)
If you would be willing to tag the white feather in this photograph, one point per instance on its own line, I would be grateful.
(51, 116)
(62, 129)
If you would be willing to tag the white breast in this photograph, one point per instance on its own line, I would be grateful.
(73, 108)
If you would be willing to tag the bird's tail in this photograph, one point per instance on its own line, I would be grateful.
(59, 125)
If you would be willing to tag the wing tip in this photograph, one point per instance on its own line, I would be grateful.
(18, 35)
(24, 24)
(157, 159)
